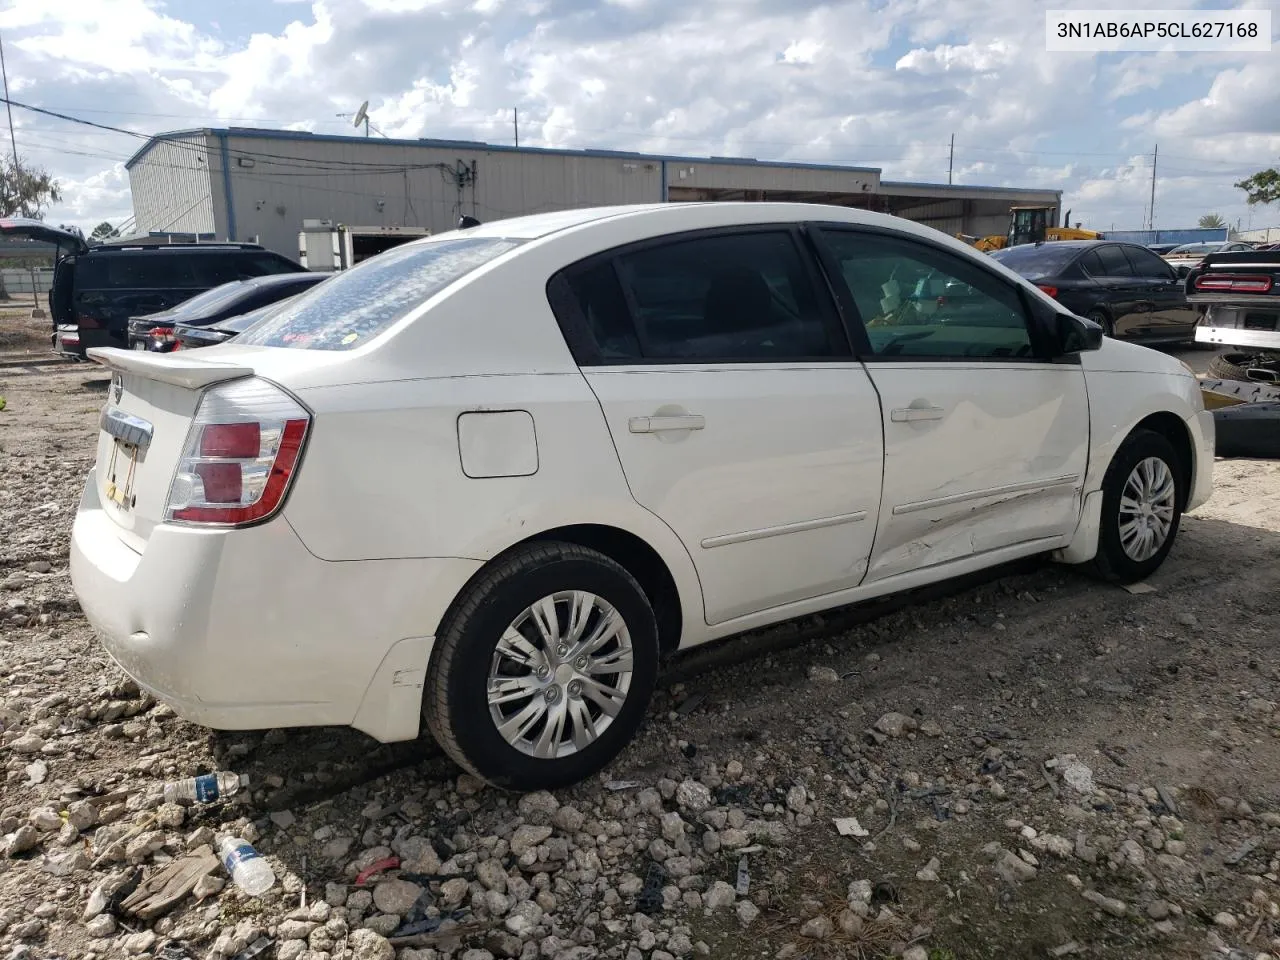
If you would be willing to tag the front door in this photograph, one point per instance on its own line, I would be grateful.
(1125, 295)
(1171, 314)
(985, 444)
(739, 414)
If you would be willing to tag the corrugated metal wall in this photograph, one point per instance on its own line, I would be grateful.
(276, 184)
(172, 185)
(1191, 235)
(766, 176)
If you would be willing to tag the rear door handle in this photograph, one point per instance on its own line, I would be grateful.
(662, 424)
(910, 414)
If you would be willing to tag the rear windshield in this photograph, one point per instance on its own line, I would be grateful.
(1034, 262)
(212, 300)
(354, 306)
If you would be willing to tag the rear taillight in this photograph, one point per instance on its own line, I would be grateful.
(85, 322)
(240, 456)
(161, 336)
(1051, 291)
(1233, 283)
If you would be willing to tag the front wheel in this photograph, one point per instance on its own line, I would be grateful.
(1142, 497)
(1101, 319)
(543, 670)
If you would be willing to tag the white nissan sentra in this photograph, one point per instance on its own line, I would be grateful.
(489, 478)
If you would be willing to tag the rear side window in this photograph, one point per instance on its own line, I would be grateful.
(146, 270)
(262, 265)
(1147, 264)
(352, 307)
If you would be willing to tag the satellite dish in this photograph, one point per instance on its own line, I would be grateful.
(362, 114)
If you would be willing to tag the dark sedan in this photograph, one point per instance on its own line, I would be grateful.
(189, 337)
(1125, 288)
(154, 331)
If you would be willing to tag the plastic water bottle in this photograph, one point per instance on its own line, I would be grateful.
(248, 870)
(206, 788)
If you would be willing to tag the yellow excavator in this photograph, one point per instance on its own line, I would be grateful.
(1030, 225)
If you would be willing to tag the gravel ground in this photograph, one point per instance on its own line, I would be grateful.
(1037, 765)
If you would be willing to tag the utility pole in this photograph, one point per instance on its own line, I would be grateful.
(516, 118)
(951, 160)
(8, 106)
(1155, 156)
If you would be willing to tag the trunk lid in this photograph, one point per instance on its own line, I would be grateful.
(22, 228)
(143, 429)
(1247, 278)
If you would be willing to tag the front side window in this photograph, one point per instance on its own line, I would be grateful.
(916, 301)
(354, 306)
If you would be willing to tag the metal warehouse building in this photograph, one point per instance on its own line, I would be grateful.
(256, 184)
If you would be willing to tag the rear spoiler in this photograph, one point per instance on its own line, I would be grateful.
(183, 371)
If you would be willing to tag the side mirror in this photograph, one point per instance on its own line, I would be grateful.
(1076, 334)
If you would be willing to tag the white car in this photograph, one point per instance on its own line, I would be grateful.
(490, 477)
(1183, 258)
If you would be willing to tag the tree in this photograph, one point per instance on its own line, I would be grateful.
(25, 190)
(1262, 188)
(104, 231)
(1212, 221)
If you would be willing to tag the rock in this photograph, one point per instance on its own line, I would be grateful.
(817, 928)
(469, 786)
(1078, 777)
(170, 816)
(538, 808)
(1227, 921)
(37, 772)
(850, 923)
(295, 929)
(335, 894)
(383, 924)
(45, 819)
(524, 917)
(569, 819)
(291, 949)
(28, 743)
(720, 895)
(137, 943)
(528, 836)
(747, 912)
(1117, 908)
(477, 954)
(929, 873)
(395, 896)
(284, 819)
(24, 840)
(143, 846)
(672, 827)
(823, 675)
(82, 814)
(101, 926)
(1013, 868)
(367, 945)
(208, 886)
(491, 873)
(915, 953)
(895, 724)
(931, 728)
(1158, 909)
(417, 855)
(693, 796)
(732, 839)
(796, 798)
(1175, 848)
(451, 890)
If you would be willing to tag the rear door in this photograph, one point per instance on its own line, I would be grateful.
(1125, 295)
(1170, 314)
(737, 410)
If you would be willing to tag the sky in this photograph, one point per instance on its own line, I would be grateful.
(882, 83)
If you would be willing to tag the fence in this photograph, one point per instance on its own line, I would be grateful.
(1265, 235)
(1190, 235)
(20, 283)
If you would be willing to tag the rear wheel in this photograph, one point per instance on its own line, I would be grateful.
(1249, 367)
(542, 672)
(1101, 319)
(1142, 497)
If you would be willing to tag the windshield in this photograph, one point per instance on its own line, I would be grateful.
(354, 306)
(1035, 262)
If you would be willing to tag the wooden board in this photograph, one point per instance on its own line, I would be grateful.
(166, 887)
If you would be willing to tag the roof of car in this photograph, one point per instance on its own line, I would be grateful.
(278, 279)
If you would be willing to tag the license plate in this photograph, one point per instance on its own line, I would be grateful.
(121, 473)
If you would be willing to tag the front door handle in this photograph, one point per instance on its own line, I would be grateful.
(663, 424)
(911, 414)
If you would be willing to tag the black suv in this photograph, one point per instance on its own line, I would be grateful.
(97, 288)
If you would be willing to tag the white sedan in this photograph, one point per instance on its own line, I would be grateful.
(488, 478)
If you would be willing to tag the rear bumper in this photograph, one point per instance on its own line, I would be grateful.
(245, 629)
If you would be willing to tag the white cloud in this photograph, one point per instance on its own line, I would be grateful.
(873, 82)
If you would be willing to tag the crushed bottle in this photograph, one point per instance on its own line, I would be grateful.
(206, 788)
(248, 870)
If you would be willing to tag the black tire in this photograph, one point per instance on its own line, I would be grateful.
(1101, 318)
(455, 703)
(1112, 562)
(1248, 430)
(1236, 366)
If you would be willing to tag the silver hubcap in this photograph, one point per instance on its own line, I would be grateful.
(560, 674)
(1146, 509)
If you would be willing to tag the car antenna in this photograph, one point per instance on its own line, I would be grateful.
(465, 222)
